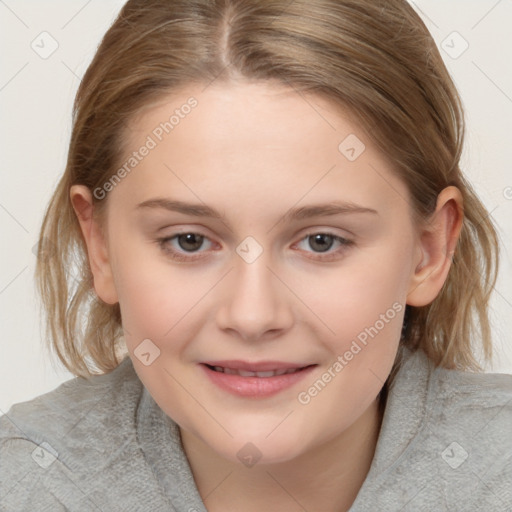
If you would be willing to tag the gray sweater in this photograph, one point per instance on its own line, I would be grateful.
(103, 444)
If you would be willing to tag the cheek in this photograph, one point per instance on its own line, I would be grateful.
(368, 291)
(153, 297)
(364, 306)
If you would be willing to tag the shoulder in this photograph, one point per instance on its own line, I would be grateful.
(466, 433)
(75, 409)
(471, 400)
(444, 443)
(76, 429)
(454, 397)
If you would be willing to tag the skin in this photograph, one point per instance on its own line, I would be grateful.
(253, 151)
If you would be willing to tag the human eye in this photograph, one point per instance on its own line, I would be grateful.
(183, 246)
(323, 242)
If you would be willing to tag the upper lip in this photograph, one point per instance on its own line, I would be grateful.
(257, 366)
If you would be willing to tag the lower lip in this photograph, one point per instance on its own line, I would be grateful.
(257, 387)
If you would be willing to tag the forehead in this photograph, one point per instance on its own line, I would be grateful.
(251, 113)
(266, 139)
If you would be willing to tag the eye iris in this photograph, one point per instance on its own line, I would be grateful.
(190, 239)
(320, 239)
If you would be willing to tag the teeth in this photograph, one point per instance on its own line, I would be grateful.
(245, 373)
(266, 374)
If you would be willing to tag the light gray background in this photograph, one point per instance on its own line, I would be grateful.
(36, 97)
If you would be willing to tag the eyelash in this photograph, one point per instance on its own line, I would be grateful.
(179, 256)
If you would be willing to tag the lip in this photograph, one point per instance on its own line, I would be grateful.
(255, 387)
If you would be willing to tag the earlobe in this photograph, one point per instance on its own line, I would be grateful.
(81, 200)
(437, 243)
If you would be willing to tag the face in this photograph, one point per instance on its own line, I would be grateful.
(262, 258)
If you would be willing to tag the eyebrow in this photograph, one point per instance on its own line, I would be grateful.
(294, 214)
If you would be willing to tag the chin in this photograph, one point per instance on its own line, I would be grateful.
(251, 447)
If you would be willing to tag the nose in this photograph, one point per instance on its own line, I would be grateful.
(257, 305)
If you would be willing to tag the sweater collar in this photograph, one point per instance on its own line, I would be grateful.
(404, 417)
(160, 440)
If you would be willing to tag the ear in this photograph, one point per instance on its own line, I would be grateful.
(81, 199)
(436, 246)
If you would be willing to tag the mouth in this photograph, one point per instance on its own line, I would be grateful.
(256, 380)
(260, 374)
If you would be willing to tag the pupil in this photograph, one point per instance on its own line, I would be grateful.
(194, 241)
(320, 240)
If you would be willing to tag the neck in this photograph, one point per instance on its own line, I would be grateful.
(327, 478)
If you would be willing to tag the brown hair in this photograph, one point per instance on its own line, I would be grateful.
(374, 58)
